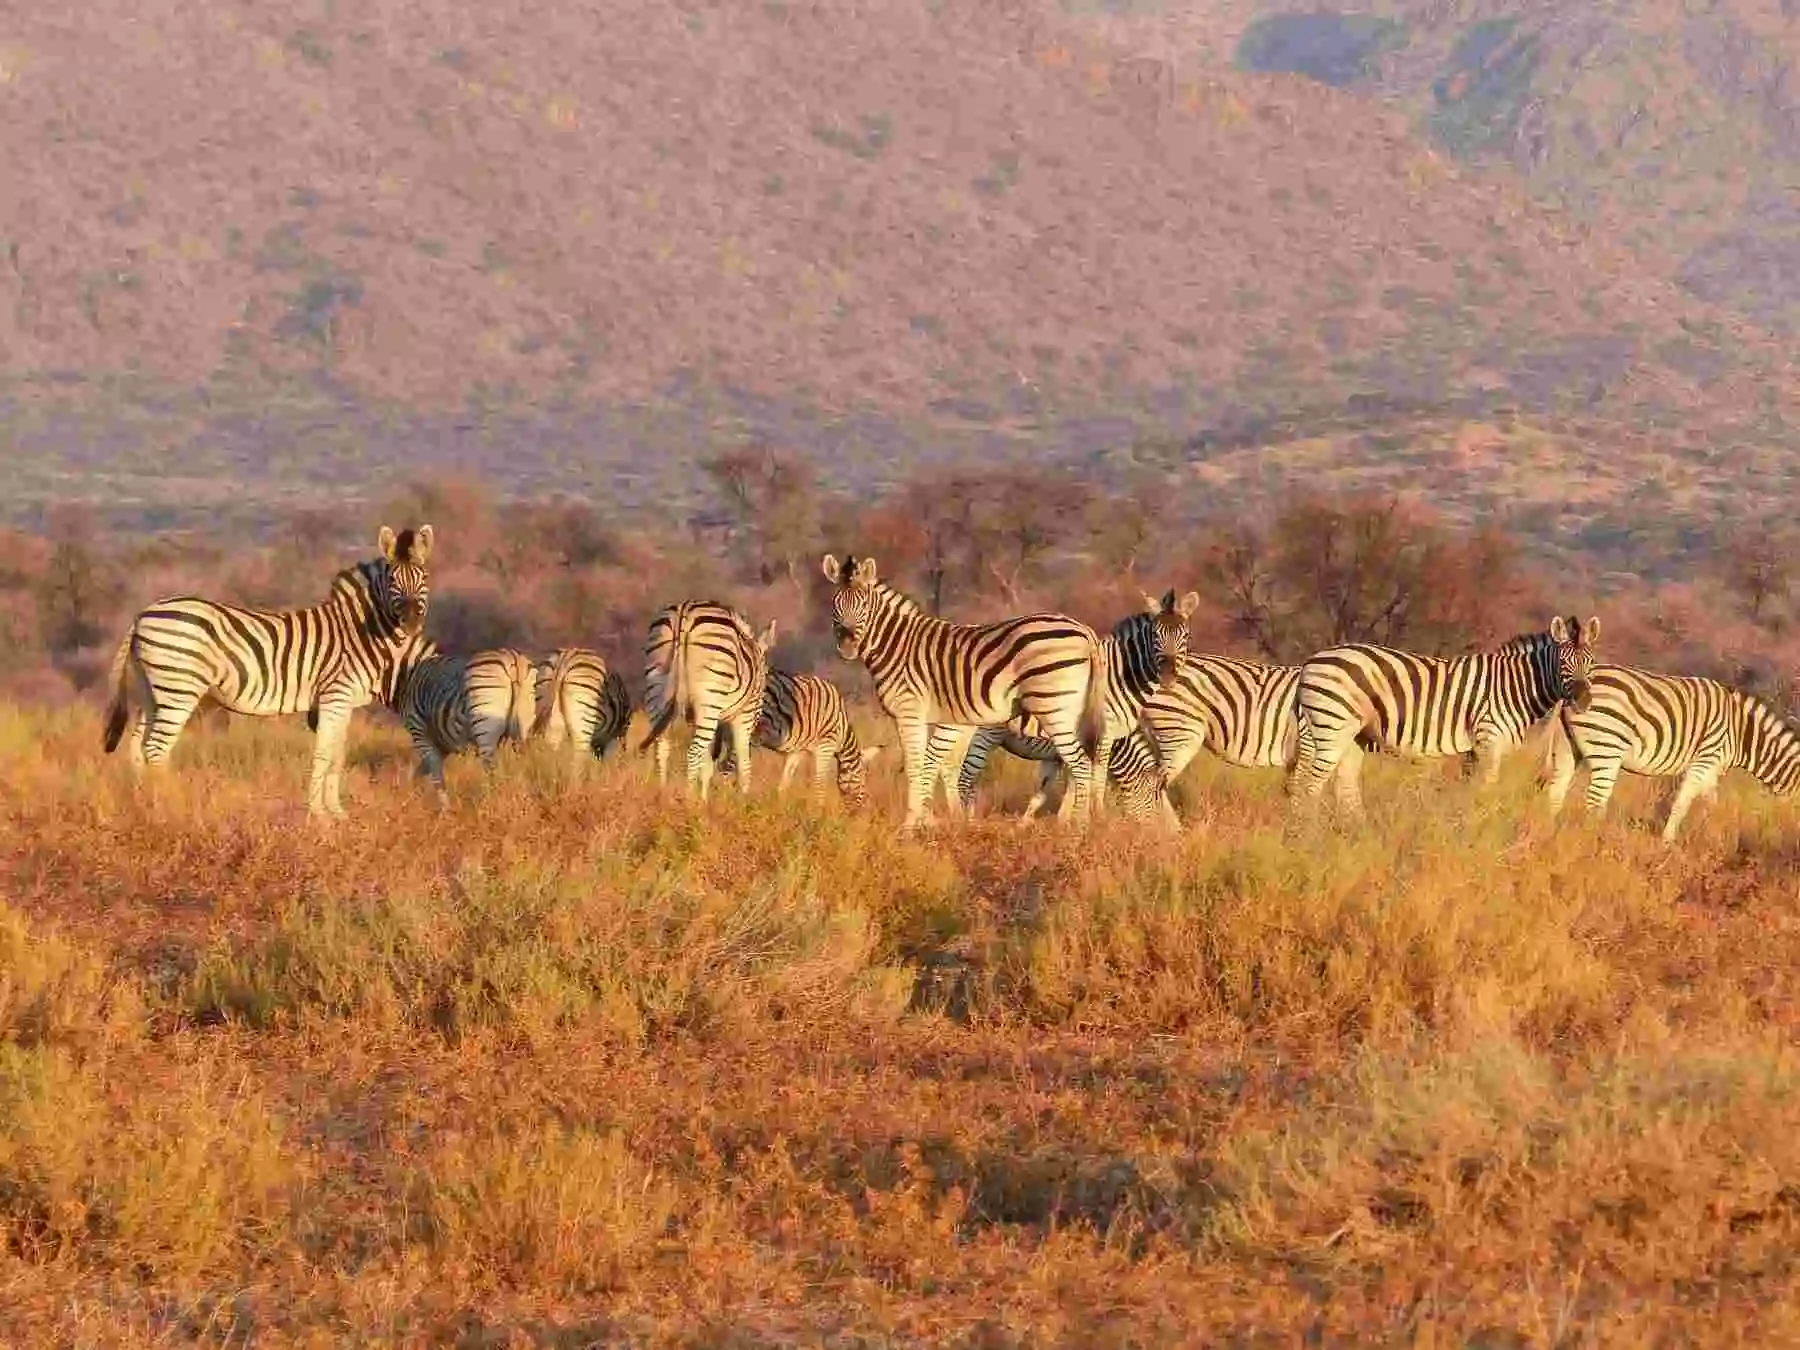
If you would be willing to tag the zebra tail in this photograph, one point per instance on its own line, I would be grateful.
(674, 695)
(1092, 727)
(523, 696)
(117, 712)
(540, 721)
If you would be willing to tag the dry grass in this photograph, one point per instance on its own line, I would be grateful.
(577, 1063)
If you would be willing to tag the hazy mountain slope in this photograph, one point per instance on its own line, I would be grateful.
(1675, 128)
(629, 230)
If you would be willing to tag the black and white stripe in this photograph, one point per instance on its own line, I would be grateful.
(805, 716)
(1144, 652)
(703, 661)
(453, 704)
(1669, 726)
(1479, 706)
(938, 679)
(326, 661)
(579, 697)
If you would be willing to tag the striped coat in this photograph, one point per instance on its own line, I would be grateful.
(1478, 706)
(703, 662)
(1669, 726)
(1144, 651)
(325, 661)
(938, 680)
(453, 704)
(804, 716)
(579, 697)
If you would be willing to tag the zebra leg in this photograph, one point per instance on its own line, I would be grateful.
(1312, 767)
(1698, 781)
(789, 763)
(1603, 776)
(920, 769)
(699, 755)
(1347, 781)
(662, 760)
(975, 755)
(163, 723)
(322, 792)
(946, 746)
(1559, 774)
(741, 729)
(824, 770)
(1048, 769)
(1078, 802)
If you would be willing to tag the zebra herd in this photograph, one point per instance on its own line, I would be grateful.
(1130, 709)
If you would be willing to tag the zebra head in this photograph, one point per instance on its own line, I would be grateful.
(853, 605)
(1575, 649)
(408, 558)
(1169, 632)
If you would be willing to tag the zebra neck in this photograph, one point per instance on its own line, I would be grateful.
(355, 593)
(1131, 657)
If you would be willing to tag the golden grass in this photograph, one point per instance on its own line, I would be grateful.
(576, 1062)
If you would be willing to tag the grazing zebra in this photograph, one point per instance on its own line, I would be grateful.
(578, 695)
(455, 703)
(1663, 726)
(703, 661)
(1143, 653)
(805, 715)
(938, 679)
(326, 661)
(1480, 706)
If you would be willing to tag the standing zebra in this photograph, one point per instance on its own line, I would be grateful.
(1143, 653)
(1661, 726)
(580, 696)
(455, 703)
(703, 661)
(326, 661)
(937, 679)
(1479, 706)
(806, 715)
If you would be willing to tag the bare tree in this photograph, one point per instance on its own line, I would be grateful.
(774, 500)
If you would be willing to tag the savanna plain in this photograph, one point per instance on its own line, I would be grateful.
(576, 1062)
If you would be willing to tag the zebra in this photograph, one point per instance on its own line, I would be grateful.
(806, 715)
(326, 661)
(1242, 711)
(1143, 653)
(450, 704)
(580, 696)
(938, 679)
(1360, 697)
(702, 660)
(1664, 726)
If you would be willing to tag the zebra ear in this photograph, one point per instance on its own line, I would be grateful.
(1590, 632)
(1151, 604)
(1189, 603)
(865, 572)
(421, 549)
(766, 639)
(386, 541)
(1559, 631)
(870, 751)
(834, 570)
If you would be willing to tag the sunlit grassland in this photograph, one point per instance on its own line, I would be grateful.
(575, 1057)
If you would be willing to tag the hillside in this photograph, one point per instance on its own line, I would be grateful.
(1672, 128)
(250, 252)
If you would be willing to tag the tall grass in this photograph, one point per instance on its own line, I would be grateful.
(575, 1041)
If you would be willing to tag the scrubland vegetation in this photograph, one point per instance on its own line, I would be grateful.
(574, 1063)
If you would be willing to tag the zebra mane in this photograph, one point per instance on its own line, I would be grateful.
(1524, 642)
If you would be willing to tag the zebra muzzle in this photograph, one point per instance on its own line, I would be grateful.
(1165, 672)
(1580, 695)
